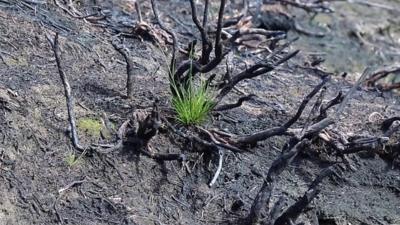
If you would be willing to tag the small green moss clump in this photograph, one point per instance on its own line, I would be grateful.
(90, 126)
(71, 159)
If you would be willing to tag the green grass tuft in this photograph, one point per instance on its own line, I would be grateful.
(192, 103)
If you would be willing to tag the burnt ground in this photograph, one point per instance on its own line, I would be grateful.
(129, 188)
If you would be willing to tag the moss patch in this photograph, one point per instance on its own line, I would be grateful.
(90, 126)
(72, 159)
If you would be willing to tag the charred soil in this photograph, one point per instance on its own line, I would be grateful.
(45, 180)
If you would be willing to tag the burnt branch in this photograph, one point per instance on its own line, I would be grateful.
(261, 201)
(324, 108)
(388, 87)
(189, 137)
(289, 152)
(108, 148)
(388, 123)
(316, 7)
(296, 145)
(138, 11)
(316, 128)
(252, 72)
(130, 65)
(305, 101)
(382, 73)
(218, 45)
(205, 14)
(206, 43)
(236, 104)
(294, 211)
(67, 92)
(144, 126)
(366, 73)
(252, 31)
(198, 66)
(220, 142)
(265, 134)
(181, 72)
(315, 108)
(172, 34)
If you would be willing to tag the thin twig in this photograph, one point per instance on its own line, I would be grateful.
(130, 65)
(220, 160)
(67, 92)
(236, 104)
(70, 185)
(263, 196)
(293, 212)
(265, 134)
(138, 11)
(174, 39)
(206, 43)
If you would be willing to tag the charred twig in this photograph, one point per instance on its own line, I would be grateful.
(205, 14)
(189, 137)
(366, 73)
(252, 72)
(70, 185)
(67, 92)
(296, 145)
(315, 108)
(130, 65)
(324, 108)
(172, 34)
(388, 87)
(263, 196)
(316, 7)
(187, 69)
(206, 43)
(316, 128)
(214, 145)
(382, 73)
(293, 212)
(372, 144)
(197, 66)
(148, 127)
(138, 11)
(234, 105)
(388, 123)
(252, 31)
(105, 149)
(265, 134)
(305, 102)
(220, 142)
(276, 211)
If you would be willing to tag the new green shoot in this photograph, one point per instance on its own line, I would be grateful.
(192, 103)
